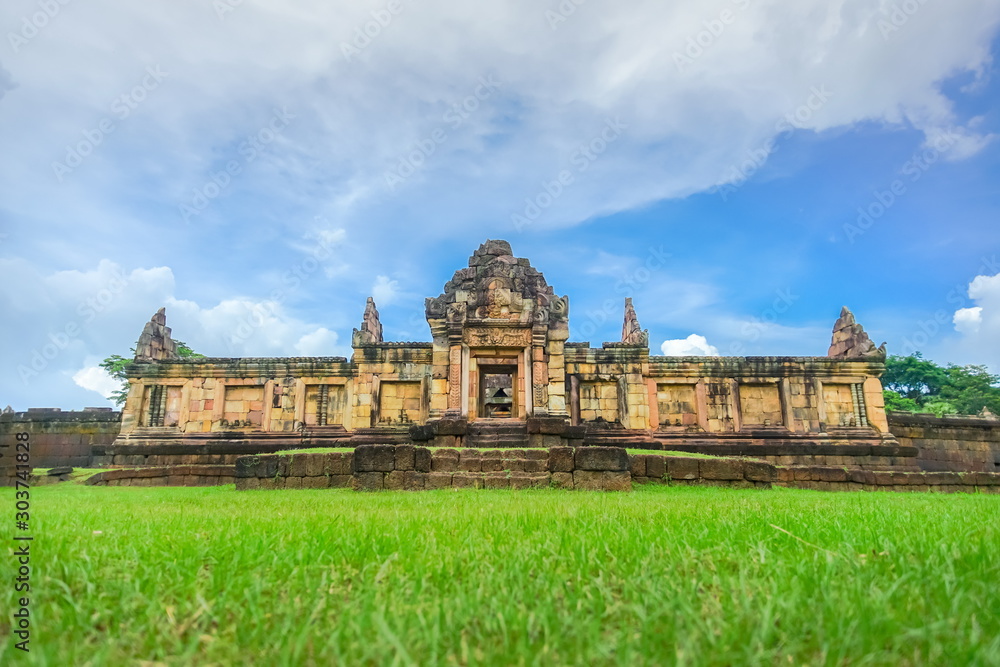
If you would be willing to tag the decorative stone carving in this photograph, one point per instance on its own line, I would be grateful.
(371, 328)
(496, 286)
(850, 340)
(632, 333)
(496, 337)
(155, 343)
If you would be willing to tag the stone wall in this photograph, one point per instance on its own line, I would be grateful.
(840, 479)
(195, 475)
(61, 438)
(949, 443)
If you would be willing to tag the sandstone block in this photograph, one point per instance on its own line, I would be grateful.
(293, 482)
(413, 480)
(722, 469)
(246, 466)
(588, 480)
(496, 480)
(422, 460)
(528, 480)
(613, 459)
(395, 480)
(637, 465)
(368, 481)
(438, 480)
(758, 471)
(534, 465)
(467, 480)
(374, 458)
(616, 481)
(562, 480)
(340, 481)
(338, 463)
(832, 474)
(405, 457)
(443, 460)
(315, 482)
(560, 459)
(656, 467)
(679, 467)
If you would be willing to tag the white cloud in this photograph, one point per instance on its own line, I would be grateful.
(319, 343)
(967, 320)
(979, 325)
(94, 378)
(385, 290)
(692, 346)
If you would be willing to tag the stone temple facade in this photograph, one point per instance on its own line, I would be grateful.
(500, 371)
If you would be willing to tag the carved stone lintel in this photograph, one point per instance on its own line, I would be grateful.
(155, 343)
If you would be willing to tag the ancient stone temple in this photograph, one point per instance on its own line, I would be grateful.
(500, 372)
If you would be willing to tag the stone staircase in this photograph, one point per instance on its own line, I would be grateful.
(497, 433)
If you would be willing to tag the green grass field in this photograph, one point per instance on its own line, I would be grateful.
(663, 575)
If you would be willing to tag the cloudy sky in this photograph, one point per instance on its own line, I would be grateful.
(741, 168)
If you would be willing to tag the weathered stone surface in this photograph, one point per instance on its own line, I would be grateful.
(320, 482)
(297, 465)
(656, 466)
(588, 480)
(374, 458)
(414, 481)
(368, 481)
(338, 463)
(371, 328)
(721, 469)
(155, 343)
(601, 458)
(268, 466)
(395, 480)
(405, 457)
(422, 460)
(528, 480)
(438, 480)
(496, 480)
(246, 466)
(340, 481)
(681, 468)
(562, 480)
(467, 480)
(560, 459)
(850, 340)
(632, 333)
(444, 460)
(637, 465)
(616, 481)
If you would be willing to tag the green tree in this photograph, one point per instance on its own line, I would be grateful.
(115, 366)
(915, 384)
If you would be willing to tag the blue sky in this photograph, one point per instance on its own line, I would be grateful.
(260, 168)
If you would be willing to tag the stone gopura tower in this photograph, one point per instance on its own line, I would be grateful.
(500, 371)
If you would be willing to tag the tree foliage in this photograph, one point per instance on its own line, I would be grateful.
(115, 366)
(915, 384)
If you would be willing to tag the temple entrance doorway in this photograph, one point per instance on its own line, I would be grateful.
(498, 392)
